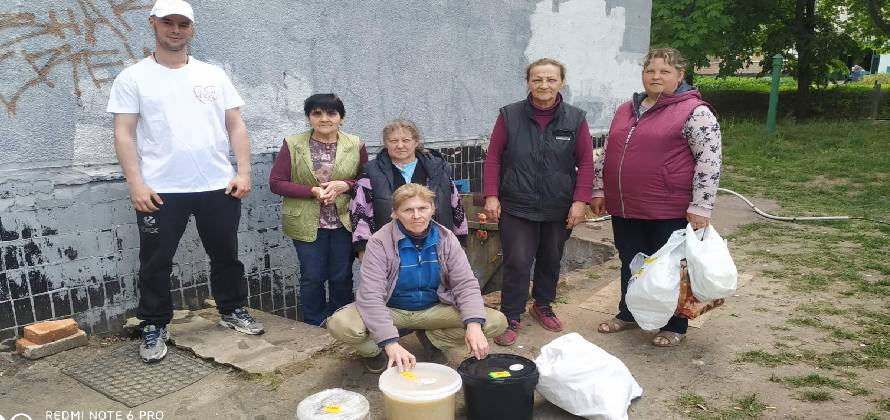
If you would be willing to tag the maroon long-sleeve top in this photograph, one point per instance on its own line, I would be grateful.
(491, 169)
(280, 176)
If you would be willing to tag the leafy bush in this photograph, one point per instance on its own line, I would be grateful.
(748, 97)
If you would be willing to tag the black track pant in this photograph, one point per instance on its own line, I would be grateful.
(216, 217)
(523, 242)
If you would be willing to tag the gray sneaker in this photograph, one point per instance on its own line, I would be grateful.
(241, 321)
(154, 343)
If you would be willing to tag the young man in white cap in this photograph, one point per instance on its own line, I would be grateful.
(175, 119)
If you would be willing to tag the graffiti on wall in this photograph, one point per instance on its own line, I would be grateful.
(43, 47)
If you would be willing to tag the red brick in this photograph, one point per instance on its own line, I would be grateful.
(49, 331)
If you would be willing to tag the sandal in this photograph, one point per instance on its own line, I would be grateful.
(615, 325)
(673, 339)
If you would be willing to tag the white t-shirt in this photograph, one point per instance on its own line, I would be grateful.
(181, 135)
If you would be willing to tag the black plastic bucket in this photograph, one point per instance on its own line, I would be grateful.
(501, 386)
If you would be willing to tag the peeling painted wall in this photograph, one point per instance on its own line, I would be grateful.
(448, 65)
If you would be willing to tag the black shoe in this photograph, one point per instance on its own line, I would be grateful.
(431, 353)
(376, 364)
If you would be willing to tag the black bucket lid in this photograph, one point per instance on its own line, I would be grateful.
(498, 368)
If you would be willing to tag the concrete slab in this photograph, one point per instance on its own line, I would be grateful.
(285, 343)
(37, 351)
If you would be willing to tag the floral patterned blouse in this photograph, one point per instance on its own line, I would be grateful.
(323, 155)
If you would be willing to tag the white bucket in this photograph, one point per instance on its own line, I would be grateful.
(425, 392)
(334, 404)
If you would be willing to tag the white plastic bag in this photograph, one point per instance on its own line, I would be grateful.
(585, 380)
(712, 273)
(654, 289)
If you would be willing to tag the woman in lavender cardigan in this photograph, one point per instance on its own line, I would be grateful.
(660, 171)
(403, 161)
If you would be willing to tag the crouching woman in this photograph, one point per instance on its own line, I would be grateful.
(415, 276)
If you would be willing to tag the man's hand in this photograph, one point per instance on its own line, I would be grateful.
(145, 199)
(576, 214)
(697, 221)
(239, 186)
(477, 344)
(598, 206)
(493, 208)
(361, 255)
(400, 357)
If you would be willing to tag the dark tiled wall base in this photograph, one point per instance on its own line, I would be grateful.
(69, 247)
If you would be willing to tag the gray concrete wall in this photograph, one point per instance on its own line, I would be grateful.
(448, 65)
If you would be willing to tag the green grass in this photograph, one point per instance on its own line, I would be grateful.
(818, 168)
(816, 395)
(690, 399)
(807, 166)
(841, 268)
(767, 359)
(835, 331)
(815, 380)
(746, 407)
(836, 359)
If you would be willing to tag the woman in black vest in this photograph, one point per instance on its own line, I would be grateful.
(404, 160)
(537, 179)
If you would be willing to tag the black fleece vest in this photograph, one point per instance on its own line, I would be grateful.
(537, 179)
(384, 182)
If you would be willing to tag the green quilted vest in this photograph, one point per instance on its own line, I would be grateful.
(299, 216)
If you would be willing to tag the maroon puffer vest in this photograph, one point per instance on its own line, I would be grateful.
(648, 167)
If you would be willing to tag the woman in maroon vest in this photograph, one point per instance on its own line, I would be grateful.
(660, 170)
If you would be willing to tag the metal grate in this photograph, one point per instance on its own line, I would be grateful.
(122, 376)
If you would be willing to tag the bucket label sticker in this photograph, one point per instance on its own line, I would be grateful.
(408, 375)
(516, 367)
(428, 381)
(332, 409)
(499, 375)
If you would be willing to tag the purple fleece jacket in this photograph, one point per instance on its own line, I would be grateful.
(380, 271)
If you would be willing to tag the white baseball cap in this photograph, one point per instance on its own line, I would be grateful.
(173, 7)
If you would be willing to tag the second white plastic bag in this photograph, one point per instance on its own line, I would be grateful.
(654, 289)
(585, 380)
(712, 273)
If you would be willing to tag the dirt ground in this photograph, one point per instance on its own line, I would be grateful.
(705, 366)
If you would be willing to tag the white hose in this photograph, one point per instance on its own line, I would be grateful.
(765, 214)
(783, 218)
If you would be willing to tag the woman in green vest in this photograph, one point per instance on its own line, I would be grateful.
(314, 173)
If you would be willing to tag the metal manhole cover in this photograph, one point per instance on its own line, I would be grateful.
(122, 376)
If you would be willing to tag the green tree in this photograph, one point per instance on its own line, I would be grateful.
(879, 11)
(814, 36)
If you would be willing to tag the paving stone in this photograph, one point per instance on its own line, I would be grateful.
(286, 342)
